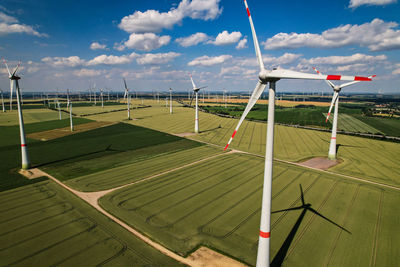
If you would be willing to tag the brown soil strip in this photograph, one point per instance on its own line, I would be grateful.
(60, 132)
(320, 163)
(185, 134)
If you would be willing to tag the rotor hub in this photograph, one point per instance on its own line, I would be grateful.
(263, 76)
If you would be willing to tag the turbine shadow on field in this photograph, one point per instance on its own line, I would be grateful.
(213, 129)
(281, 255)
(107, 149)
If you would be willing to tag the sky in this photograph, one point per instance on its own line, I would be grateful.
(70, 44)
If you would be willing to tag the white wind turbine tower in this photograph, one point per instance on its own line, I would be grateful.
(271, 77)
(335, 101)
(2, 101)
(101, 96)
(170, 100)
(128, 99)
(68, 101)
(24, 150)
(70, 116)
(196, 92)
(59, 109)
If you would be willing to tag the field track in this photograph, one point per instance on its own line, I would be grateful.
(92, 199)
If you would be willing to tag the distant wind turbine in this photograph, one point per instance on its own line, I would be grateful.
(14, 83)
(196, 92)
(2, 101)
(335, 101)
(128, 100)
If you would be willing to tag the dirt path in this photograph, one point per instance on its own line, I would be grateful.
(201, 257)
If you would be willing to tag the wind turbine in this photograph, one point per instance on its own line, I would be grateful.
(14, 83)
(271, 77)
(101, 95)
(335, 101)
(70, 117)
(68, 101)
(128, 100)
(170, 100)
(196, 92)
(2, 101)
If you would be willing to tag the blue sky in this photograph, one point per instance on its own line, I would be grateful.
(154, 44)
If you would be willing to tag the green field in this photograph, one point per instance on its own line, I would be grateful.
(30, 115)
(142, 168)
(213, 203)
(44, 225)
(362, 157)
(387, 126)
(349, 123)
(220, 209)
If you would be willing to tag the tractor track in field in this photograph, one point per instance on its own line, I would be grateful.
(376, 235)
(202, 257)
(234, 150)
(344, 221)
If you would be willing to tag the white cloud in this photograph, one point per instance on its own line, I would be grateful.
(112, 60)
(97, 46)
(9, 25)
(236, 70)
(242, 44)
(396, 71)
(155, 21)
(19, 28)
(146, 41)
(6, 18)
(88, 73)
(286, 58)
(345, 60)
(209, 61)
(357, 3)
(193, 39)
(377, 35)
(226, 38)
(72, 61)
(159, 58)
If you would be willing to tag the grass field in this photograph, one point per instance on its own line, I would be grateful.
(30, 116)
(349, 123)
(387, 126)
(367, 158)
(220, 208)
(44, 225)
(143, 167)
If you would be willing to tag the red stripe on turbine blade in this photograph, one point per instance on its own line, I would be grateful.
(233, 135)
(333, 137)
(226, 147)
(22, 145)
(248, 12)
(265, 234)
(333, 77)
(357, 78)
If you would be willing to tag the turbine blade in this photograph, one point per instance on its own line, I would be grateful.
(290, 74)
(16, 68)
(302, 195)
(201, 88)
(350, 83)
(327, 81)
(253, 99)
(194, 86)
(334, 97)
(9, 73)
(255, 40)
(322, 216)
(295, 208)
(191, 99)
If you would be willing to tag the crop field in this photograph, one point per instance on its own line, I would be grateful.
(141, 169)
(30, 115)
(220, 209)
(60, 132)
(44, 225)
(350, 123)
(367, 158)
(86, 110)
(387, 126)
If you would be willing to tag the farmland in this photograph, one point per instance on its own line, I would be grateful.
(189, 194)
(43, 225)
(367, 158)
(220, 209)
